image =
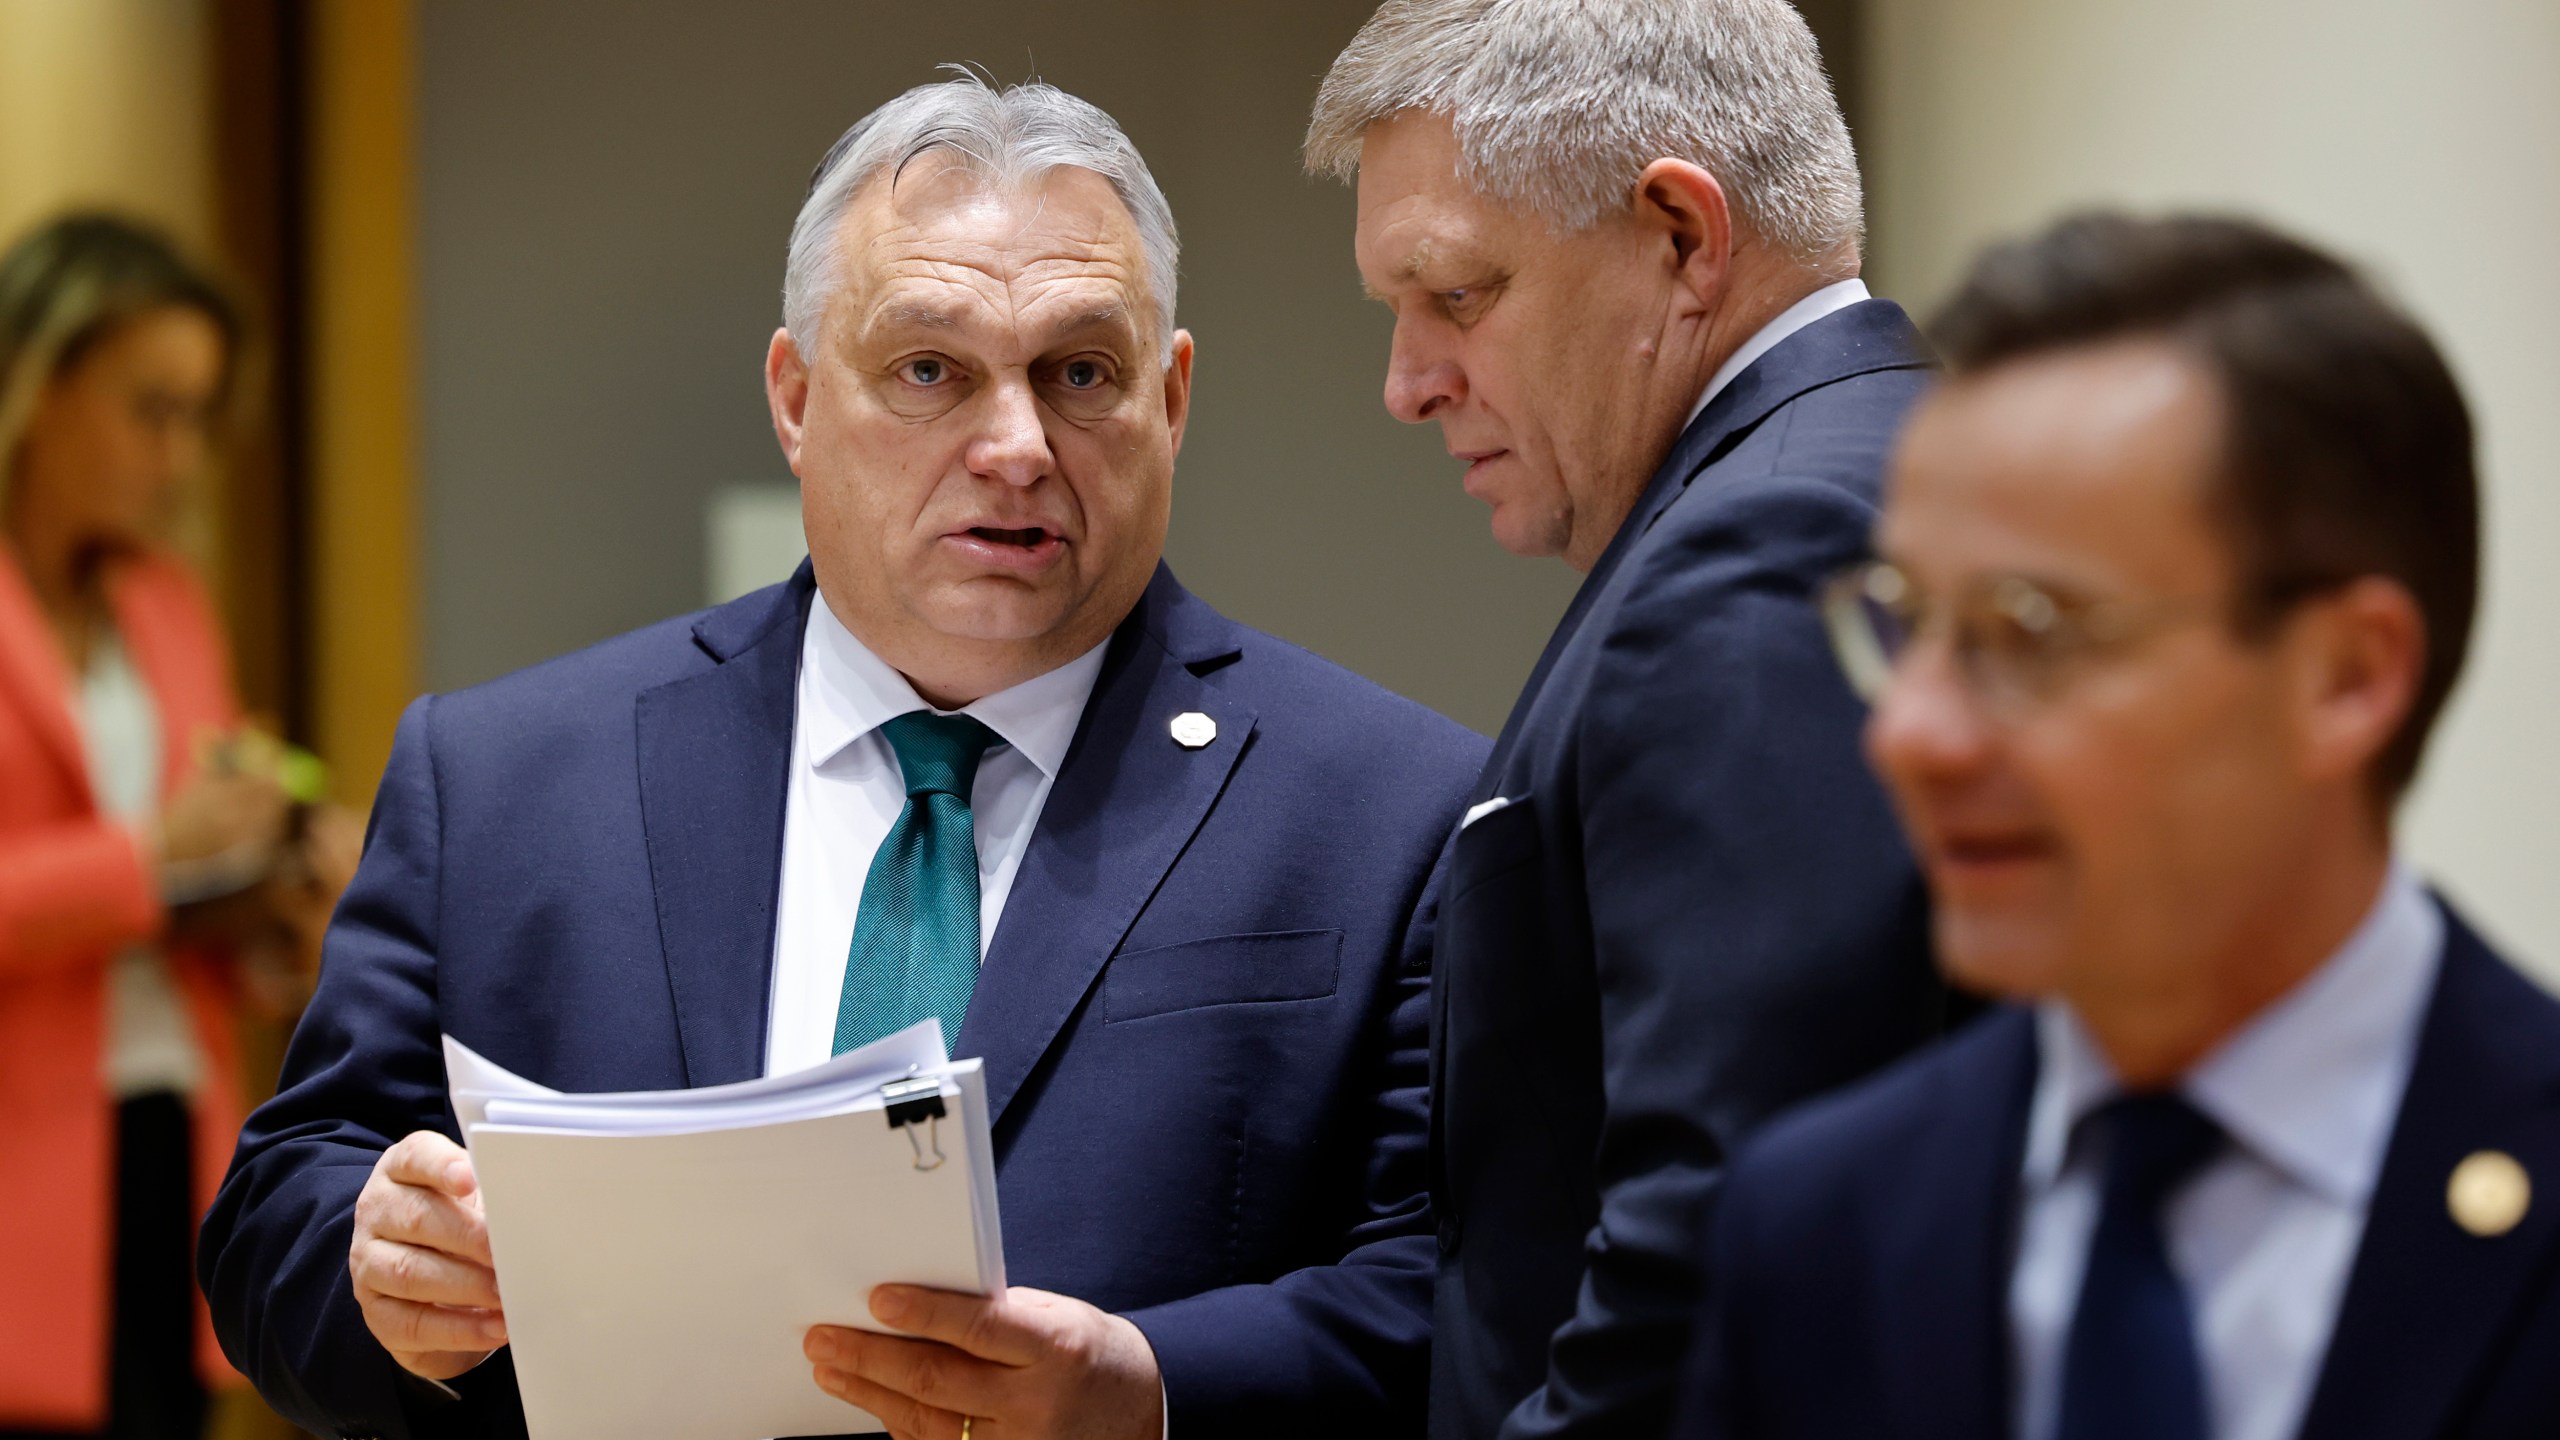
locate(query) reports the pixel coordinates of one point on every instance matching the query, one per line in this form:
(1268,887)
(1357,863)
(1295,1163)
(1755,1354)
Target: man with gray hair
(982,759)
(1621,242)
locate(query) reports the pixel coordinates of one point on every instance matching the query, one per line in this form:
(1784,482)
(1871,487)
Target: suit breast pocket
(1495,844)
(1221,970)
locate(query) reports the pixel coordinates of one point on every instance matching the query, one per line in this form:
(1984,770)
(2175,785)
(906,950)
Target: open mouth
(1025,550)
(1029,539)
(1966,863)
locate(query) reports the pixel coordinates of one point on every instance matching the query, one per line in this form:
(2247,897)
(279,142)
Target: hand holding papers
(664,1254)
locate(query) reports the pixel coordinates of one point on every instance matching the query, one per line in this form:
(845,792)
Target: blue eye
(924,372)
(1082,374)
(1464,303)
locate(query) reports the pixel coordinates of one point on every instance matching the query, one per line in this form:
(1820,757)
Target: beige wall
(2421,137)
(102,102)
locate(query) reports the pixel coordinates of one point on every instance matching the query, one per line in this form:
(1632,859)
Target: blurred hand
(420,1260)
(314,871)
(1027,1364)
(332,844)
(277,948)
(219,816)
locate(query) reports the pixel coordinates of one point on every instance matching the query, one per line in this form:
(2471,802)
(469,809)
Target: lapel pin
(2488,1194)
(1192,730)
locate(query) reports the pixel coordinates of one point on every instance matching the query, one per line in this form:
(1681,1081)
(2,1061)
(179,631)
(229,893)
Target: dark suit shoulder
(2517,1021)
(1798,496)
(1837,433)
(1325,707)
(1295,680)
(607,672)
(1885,1130)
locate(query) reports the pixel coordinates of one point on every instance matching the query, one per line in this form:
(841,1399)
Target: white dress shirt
(2263,1235)
(151,1038)
(846,791)
(1839,295)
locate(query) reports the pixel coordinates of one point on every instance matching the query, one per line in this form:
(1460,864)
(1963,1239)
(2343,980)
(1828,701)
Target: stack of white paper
(662,1253)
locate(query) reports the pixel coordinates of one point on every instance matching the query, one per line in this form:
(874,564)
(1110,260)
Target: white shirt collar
(2312,1085)
(1839,295)
(852,692)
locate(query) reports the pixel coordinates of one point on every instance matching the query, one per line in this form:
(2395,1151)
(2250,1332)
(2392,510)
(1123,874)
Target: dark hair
(68,284)
(2349,448)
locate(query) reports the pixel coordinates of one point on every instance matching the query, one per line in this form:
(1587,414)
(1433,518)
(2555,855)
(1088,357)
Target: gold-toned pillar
(363,378)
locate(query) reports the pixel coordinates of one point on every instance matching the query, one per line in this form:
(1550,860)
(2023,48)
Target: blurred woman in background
(145,839)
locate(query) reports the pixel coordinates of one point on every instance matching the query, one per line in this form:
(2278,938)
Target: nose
(1422,377)
(1012,443)
(1927,726)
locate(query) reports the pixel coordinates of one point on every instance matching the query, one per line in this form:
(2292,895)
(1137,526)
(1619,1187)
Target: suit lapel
(2426,1300)
(1125,804)
(1942,1325)
(715,755)
(1869,336)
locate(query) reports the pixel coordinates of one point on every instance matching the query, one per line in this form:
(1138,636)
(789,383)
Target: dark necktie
(915,938)
(2131,1370)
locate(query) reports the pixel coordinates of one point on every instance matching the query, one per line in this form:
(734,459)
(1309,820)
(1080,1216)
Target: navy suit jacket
(1695,909)
(1863,1247)
(1203,1014)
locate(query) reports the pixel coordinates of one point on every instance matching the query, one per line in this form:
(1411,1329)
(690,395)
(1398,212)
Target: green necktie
(915,940)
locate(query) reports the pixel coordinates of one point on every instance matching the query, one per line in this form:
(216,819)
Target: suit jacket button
(1449,1230)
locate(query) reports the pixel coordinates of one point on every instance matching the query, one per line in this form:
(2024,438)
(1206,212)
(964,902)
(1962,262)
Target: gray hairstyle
(1009,138)
(1558,105)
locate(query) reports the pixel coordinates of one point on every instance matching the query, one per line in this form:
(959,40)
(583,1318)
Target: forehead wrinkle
(1041,311)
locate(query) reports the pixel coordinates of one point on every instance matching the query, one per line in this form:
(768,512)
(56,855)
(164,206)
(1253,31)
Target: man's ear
(786,393)
(1685,208)
(2364,656)
(1177,387)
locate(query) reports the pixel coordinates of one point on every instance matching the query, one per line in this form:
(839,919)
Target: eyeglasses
(2017,642)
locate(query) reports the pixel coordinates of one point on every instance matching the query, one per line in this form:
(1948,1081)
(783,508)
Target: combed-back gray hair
(1558,105)
(1009,138)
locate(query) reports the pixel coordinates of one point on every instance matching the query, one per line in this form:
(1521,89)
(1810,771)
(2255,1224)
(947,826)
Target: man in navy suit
(1621,242)
(2177,573)
(982,759)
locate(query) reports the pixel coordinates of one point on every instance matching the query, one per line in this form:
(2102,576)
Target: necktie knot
(2154,1142)
(938,754)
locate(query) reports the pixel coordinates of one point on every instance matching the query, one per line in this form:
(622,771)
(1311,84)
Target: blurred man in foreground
(1621,243)
(2177,573)
(984,727)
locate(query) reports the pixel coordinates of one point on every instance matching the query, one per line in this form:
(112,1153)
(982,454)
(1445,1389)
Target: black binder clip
(916,1103)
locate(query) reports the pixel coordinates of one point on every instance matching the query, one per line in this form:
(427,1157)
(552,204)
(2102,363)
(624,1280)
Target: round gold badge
(2489,1193)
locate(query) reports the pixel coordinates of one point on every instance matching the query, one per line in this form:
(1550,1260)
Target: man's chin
(995,624)
(1532,535)
(1001,609)
(1998,952)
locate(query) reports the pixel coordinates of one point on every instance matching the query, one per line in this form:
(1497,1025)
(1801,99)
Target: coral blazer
(75,888)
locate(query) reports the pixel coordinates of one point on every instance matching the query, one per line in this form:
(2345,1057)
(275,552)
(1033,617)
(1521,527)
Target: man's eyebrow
(910,313)
(1086,321)
(1113,316)
(1413,264)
